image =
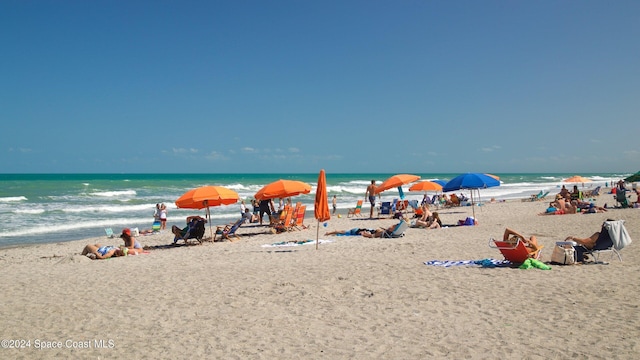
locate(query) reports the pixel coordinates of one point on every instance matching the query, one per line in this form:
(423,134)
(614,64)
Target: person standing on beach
(243,208)
(371,194)
(265,208)
(156,213)
(334,202)
(163,216)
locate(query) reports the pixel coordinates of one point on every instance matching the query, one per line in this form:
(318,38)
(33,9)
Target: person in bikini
(97,251)
(432,222)
(354,231)
(531,243)
(130,242)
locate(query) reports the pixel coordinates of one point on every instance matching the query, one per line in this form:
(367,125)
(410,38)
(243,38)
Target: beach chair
(414,205)
(398,231)
(516,252)
(156,226)
(228,232)
(298,222)
(356,211)
(541,198)
(287,224)
(402,205)
(279,218)
(613,238)
(109,232)
(621,198)
(385,208)
(194,230)
(534,197)
(591,193)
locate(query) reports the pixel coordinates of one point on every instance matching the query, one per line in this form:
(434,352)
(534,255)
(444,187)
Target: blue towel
(488,263)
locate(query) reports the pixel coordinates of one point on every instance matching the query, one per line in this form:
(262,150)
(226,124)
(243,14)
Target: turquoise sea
(46,208)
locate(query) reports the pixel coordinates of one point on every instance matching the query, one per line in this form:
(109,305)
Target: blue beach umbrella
(440,182)
(471,181)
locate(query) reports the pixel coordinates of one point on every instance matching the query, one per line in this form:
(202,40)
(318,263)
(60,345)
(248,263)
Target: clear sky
(295,86)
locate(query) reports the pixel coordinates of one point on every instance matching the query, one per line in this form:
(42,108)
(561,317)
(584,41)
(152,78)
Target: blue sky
(295,86)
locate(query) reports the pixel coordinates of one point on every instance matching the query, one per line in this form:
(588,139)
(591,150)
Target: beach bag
(563,255)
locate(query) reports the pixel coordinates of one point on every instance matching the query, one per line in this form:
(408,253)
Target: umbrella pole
(209,220)
(317,234)
(473,206)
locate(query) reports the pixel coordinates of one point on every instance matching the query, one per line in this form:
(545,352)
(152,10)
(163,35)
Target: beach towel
(296,243)
(488,263)
(618,234)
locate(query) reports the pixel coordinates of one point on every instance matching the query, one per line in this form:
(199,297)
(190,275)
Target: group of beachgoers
(573,202)
(131,247)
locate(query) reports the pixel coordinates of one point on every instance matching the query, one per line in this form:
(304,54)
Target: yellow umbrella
(321,204)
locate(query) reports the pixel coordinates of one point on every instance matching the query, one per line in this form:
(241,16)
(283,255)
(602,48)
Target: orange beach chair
(516,253)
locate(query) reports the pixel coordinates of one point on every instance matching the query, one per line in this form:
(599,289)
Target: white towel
(618,233)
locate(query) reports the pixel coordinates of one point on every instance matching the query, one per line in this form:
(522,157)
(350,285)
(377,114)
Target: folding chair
(516,252)
(228,231)
(613,238)
(356,211)
(398,231)
(298,222)
(621,198)
(385,208)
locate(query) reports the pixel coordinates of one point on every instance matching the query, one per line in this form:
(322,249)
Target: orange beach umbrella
(206,196)
(282,189)
(321,204)
(426,186)
(577,179)
(396,181)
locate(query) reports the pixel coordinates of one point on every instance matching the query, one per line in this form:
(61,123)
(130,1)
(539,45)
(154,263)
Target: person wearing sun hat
(132,245)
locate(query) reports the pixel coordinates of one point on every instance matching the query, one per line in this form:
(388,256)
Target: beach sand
(353,298)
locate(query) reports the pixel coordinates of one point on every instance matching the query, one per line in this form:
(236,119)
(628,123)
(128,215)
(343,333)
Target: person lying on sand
(379,232)
(98,251)
(354,231)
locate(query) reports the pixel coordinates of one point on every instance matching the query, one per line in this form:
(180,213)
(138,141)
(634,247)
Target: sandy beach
(354,297)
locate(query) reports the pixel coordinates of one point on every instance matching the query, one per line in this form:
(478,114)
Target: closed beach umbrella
(493,176)
(282,189)
(321,204)
(206,196)
(471,181)
(396,181)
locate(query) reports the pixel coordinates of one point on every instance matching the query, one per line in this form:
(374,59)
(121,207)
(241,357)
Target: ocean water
(48,208)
